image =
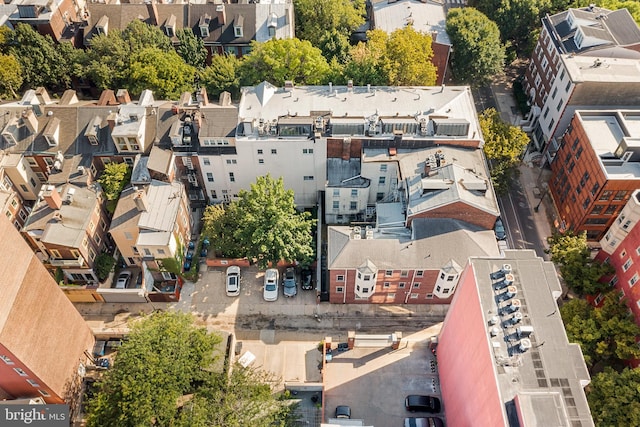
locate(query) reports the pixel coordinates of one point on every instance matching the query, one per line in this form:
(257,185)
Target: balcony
(79,262)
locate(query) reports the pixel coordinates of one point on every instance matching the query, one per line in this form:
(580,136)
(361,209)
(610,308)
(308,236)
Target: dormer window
(571,20)
(204,25)
(237,26)
(102,27)
(272,25)
(579,38)
(170,26)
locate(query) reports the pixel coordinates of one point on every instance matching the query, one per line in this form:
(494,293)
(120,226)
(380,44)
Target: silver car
(270,292)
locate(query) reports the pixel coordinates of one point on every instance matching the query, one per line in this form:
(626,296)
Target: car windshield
(289,284)
(232,281)
(270,287)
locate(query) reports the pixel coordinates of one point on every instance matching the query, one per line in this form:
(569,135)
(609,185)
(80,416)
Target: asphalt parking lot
(375,381)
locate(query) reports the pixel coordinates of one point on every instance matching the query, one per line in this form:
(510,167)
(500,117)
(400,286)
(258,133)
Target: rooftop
(612,133)
(424,16)
(546,379)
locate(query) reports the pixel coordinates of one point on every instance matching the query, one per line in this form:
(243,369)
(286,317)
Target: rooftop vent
(525,345)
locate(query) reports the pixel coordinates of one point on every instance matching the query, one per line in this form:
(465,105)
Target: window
(308,178)
(20,372)
(450,278)
(633,280)
(429,296)
(160,251)
(307,151)
(85,242)
(414,296)
(232,161)
(340,278)
(260,151)
(555,92)
(438,288)
(383,168)
(446,290)
(336,193)
(354,193)
(232,177)
(638,250)
(623,253)
(419,273)
(214,195)
(44,393)
(388,273)
(379,196)
(566,89)
(401,285)
(613,281)
(206,161)
(606,195)
(595,189)
(34,383)
(404,273)
(578,153)
(627,265)
(353,206)
(546,112)
(261,161)
(336,204)
(560,104)
(382,180)
(209,176)
(553,122)
(339,289)
(237,30)
(55,253)
(416,285)
(6,359)
(620,195)
(147,252)
(274,151)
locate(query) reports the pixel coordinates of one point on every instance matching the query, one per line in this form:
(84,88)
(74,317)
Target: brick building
(44,342)
(595,170)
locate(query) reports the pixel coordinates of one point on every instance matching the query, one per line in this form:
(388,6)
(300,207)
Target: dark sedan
(419,403)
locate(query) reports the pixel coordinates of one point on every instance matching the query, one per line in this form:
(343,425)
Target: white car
(233,281)
(270,292)
(123,280)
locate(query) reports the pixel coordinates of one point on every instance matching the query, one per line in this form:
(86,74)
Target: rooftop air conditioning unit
(525,345)
(524,331)
(506,268)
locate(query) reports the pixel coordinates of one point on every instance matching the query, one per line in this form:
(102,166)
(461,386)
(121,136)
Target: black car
(423,422)
(419,403)
(343,411)
(307,279)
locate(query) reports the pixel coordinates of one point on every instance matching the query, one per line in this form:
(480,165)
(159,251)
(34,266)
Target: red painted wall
(465,362)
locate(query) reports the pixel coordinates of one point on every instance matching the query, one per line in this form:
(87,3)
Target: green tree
(368,63)
(163,375)
(191,48)
(334,45)
(266,225)
(410,53)
(220,226)
(138,36)
(113,180)
(502,141)
(222,75)
(10,76)
(163,359)
(573,256)
(614,397)
(103,266)
(315,18)
(607,335)
(165,73)
(40,61)
(5,36)
(478,54)
(107,60)
(280,60)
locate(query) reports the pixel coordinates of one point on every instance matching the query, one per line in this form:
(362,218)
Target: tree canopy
(614,397)
(165,73)
(191,48)
(222,75)
(579,271)
(113,180)
(10,76)
(277,61)
(503,144)
(164,375)
(315,18)
(478,53)
(606,334)
(262,224)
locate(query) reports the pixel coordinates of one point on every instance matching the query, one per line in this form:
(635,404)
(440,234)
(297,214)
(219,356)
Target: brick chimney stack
(52,197)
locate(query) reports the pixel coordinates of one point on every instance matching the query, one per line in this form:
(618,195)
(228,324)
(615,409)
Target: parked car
(123,280)
(192,245)
(187,265)
(203,252)
(420,403)
(189,256)
(233,281)
(423,422)
(343,411)
(289,282)
(498,228)
(270,292)
(307,279)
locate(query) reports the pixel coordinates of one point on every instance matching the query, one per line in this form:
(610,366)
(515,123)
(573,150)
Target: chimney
(427,169)
(153,13)
(30,121)
(221,14)
(111,120)
(346,148)
(202,97)
(51,196)
(122,96)
(43,96)
(107,97)
(140,200)
(288,85)
(225,99)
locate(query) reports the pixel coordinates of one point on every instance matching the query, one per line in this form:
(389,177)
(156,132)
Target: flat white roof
(428,17)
